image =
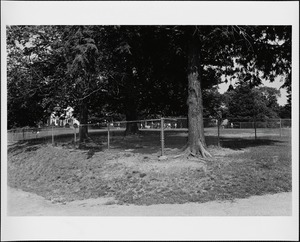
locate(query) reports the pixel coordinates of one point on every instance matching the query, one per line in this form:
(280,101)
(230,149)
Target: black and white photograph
(118,117)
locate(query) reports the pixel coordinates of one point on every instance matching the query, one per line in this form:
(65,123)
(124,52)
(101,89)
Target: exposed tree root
(183,149)
(198,153)
(203,151)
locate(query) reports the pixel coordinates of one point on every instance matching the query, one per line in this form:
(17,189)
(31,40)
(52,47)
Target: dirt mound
(130,176)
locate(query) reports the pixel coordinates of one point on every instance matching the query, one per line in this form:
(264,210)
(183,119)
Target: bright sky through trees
(282,100)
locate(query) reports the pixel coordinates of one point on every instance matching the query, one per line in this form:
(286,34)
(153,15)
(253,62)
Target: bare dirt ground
(22,203)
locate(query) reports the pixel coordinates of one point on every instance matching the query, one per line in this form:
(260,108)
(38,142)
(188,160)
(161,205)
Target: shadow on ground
(231,143)
(141,143)
(238,143)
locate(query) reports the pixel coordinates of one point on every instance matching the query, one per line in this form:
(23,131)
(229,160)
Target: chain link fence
(153,133)
(47,134)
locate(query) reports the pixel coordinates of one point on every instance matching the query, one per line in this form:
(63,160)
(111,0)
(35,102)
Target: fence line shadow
(242,143)
(144,142)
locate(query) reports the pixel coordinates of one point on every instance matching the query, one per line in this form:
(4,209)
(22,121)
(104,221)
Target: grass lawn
(132,173)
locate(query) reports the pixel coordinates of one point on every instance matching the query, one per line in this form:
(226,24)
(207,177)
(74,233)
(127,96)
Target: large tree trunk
(196,140)
(131,104)
(83,118)
(131,114)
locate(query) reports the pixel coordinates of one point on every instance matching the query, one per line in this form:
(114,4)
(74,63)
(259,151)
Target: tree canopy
(139,71)
(245,103)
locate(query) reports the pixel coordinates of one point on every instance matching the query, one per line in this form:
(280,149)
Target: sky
(282,100)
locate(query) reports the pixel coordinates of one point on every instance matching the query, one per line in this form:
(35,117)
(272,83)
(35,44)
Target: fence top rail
(121,122)
(143,121)
(174,119)
(137,121)
(251,119)
(46,128)
(24,129)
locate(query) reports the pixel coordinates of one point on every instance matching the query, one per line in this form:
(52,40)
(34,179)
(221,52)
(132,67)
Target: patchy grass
(131,172)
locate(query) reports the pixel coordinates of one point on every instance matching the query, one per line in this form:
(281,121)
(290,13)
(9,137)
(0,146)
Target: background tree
(252,104)
(212,102)
(250,52)
(30,90)
(81,55)
(176,62)
(285,111)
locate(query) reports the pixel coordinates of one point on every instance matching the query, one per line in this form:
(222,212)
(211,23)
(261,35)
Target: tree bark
(196,140)
(83,118)
(131,114)
(131,104)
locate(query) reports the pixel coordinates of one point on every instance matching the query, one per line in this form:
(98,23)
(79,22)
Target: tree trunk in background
(83,119)
(131,114)
(196,139)
(131,104)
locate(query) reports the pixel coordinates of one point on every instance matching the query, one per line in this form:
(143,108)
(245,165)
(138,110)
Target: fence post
(52,134)
(75,135)
(162,138)
(219,132)
(255,129)
(280,125)
(108,135)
